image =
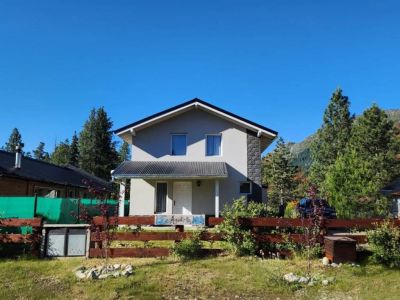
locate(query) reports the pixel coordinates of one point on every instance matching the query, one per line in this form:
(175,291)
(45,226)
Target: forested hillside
(301,153)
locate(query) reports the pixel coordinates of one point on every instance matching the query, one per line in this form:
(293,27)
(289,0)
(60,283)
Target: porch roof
(171,169)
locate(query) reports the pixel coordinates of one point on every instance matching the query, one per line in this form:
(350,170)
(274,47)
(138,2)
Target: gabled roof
(197,103)
(38,170)
(170,169)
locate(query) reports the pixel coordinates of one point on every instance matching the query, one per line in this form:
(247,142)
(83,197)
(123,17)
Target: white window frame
(172,135)
(251,187)
(205,147)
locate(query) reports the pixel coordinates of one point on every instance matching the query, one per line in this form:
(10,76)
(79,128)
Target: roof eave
(198,104)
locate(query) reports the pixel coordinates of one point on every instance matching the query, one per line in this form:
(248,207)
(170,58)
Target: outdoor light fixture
(198,182)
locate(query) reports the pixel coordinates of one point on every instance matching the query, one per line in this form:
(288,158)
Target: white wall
(154,143)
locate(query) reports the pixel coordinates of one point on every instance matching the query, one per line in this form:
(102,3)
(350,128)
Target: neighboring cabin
(192,159)
(23,176)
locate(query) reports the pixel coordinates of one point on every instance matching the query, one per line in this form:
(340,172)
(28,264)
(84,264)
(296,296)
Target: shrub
(188,248)
(238,236)
(385,244)
(291,210)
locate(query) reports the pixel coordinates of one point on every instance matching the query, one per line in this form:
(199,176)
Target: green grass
(218,278)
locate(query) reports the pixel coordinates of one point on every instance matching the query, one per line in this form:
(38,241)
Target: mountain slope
(301,151)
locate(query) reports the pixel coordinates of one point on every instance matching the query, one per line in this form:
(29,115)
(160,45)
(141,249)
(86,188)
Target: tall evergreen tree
(124,152)
(74,151)
(61,154)
(279,175)
(40,153)
(97,153)
(354,182)
(332,137)
(14,140)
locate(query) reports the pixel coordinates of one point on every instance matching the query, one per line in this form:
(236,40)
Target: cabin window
(178,144)
(161,197)
(213,145)
(245,187)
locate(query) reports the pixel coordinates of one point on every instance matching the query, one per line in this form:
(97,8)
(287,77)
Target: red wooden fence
(97,236)
(18,238)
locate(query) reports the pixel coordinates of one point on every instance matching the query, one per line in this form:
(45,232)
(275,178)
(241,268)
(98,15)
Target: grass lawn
(218,278)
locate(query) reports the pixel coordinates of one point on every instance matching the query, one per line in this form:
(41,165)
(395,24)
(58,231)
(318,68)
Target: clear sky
(274,62)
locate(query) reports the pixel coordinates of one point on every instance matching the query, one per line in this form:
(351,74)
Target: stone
(311,283)
(325,261)
(80,274)
(290,277)
(104,276)
(117,266)
(325,282)
(116,274)
(334,265)
(303,280)
(91,274)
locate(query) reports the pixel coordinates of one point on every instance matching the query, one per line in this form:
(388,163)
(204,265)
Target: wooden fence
(97,235)
(18,238)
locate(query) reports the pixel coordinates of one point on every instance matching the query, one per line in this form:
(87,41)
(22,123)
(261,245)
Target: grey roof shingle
(33,169)
(171,169)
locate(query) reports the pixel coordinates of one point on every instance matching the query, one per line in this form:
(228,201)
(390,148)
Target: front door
(182,198)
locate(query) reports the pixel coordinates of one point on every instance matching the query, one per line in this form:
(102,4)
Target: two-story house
(192,159)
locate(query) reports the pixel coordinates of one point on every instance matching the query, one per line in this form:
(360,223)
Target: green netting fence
(53,210)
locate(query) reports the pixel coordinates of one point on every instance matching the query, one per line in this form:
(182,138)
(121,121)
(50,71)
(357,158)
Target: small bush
(238,236)
(291,210)
(189,248)
(385,244)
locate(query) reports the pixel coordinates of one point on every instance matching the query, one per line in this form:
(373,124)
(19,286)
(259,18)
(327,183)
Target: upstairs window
(213,145)
(178,144)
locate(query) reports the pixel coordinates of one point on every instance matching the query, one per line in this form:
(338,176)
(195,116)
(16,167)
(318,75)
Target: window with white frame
(213,145)
(245,187)
(178,144)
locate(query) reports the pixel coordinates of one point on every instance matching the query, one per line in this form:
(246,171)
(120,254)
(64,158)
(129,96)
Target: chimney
(18,156)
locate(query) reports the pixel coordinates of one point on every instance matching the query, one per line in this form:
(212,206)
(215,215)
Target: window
(245,187)
(178,144)
(213,145)
(161,197)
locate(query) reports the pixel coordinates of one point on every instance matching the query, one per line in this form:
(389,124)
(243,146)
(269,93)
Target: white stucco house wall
(192,159)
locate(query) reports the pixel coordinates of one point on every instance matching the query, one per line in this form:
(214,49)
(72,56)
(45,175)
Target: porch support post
(121,198)
(216,198)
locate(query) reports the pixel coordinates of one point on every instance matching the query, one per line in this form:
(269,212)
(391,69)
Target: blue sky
(274,62)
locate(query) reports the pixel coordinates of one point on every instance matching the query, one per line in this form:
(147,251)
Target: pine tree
(74,151)
(279,175)
(61,154)
(97,153)
(368,163)
(14,140)
(332,137)
(124,152)
(40,153)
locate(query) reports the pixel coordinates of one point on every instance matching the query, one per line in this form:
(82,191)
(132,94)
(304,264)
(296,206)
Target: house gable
(265,134)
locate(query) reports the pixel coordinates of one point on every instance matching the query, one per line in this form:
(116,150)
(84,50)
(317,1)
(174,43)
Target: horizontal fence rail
(98,236)
(33,238)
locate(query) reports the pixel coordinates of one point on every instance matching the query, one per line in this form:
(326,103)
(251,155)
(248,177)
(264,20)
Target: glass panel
(76,244)
(213,145)
(178,144)
(245,188)
(161,197)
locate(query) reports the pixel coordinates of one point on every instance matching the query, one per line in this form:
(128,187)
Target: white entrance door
(182,198)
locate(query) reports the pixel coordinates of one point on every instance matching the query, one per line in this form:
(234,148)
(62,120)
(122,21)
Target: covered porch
(172,187)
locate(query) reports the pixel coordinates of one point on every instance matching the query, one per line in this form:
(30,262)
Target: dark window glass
(213,145)
(178,146)
(245,187)
(161,197)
